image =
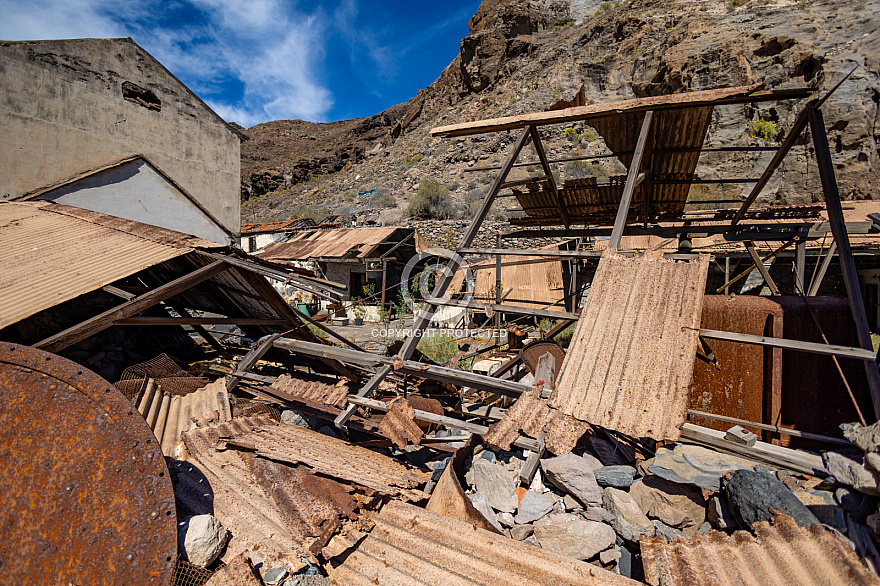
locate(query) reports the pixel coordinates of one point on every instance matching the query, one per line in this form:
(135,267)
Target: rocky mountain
(524,56)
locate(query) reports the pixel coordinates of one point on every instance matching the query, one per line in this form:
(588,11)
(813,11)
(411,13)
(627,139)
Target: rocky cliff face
(524,56)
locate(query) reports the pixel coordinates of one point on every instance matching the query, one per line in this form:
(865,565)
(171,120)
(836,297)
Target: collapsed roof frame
(637,174)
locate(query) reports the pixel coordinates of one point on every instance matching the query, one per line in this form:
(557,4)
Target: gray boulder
(494,481)
(851,471)
(616,476)
(533,506)
(481,503)
(629,521)
(573,537)
(752,494)
(678,505)
(695,465)
(573,474)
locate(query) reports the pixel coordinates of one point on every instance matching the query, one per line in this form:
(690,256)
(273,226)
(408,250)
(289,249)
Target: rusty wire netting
(187,574)
(248,408)
(168,375)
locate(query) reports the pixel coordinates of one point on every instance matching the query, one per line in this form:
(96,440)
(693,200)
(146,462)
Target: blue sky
(259,60)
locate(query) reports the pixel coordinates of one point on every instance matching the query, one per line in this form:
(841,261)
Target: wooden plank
(812,347)
(307,283)
(796,460)
(102,321)
(800,264)
(250,359)
(791,138)
(632,182)
(149,320)
(714,97)
(844,251)
(759,264)
(475,428)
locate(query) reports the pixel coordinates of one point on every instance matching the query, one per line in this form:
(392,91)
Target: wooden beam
(797,129)
(826,261)
(847,264)
(632,182)
(419,415)
(102,321)
(773,428)
(812,347)
(551,182)
(511,309)
(250,359)
(800,265)
(743,274)
(408,367)
(316,286)
(759,263)
(149,320)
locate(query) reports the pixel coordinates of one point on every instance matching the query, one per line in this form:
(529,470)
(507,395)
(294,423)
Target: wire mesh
(168,375)
(248,408)
(187,574)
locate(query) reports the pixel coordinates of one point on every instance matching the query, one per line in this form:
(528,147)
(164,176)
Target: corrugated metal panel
(630,362)
(409,545)
(49,258)
(333,457)
(266,227)
(778,554)
(338,243)
(235,495)
(398,424)
(312,388)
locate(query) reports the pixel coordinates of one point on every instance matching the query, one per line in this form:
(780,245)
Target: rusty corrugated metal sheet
(630,361)
(314,388)
(280,510)
(409,545)
(528,414)
(49,257)
(330,456)
(778,554)
(335,243)
(398,424)
(87,495)
(262,228)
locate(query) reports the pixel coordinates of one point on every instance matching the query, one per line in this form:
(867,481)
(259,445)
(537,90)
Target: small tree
(431,202)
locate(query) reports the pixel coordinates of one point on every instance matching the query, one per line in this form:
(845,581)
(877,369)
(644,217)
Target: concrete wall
(62,112)
(136,191)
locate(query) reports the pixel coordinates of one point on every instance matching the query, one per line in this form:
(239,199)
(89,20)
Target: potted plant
(360,311)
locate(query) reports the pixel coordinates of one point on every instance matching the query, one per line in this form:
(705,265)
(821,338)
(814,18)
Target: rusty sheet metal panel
(333,243)
(749,381)
(528,414)
(631,358)
(398,424)
(87,495)
(40,247)
(810,379)
(331,456)
(409,545)
(313,388)
(778,554)
(265,504)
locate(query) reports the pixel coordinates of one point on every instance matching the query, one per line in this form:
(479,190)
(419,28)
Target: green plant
(317,331)
(410,160)
(582,169)
(571,134)
(764,129)
(606,7)
(734,4)
(383,198)
(588,136)
(431,202)
(439,348)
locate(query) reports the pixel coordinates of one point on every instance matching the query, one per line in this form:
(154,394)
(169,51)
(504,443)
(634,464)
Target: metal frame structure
(639,172)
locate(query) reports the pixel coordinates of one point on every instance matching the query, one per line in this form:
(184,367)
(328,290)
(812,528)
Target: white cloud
(271,49)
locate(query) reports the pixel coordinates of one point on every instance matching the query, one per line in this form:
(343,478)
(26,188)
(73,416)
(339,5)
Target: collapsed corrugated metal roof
(332,243)
(778,554)
(409,545)
(631,358)
(312,388)
(51,254)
